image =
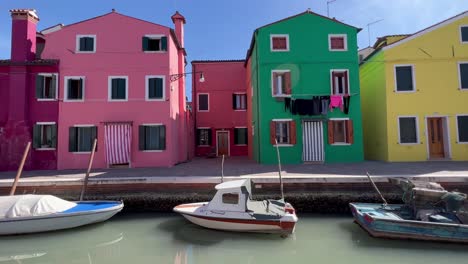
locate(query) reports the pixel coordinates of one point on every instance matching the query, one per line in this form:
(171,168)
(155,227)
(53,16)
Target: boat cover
(32,205)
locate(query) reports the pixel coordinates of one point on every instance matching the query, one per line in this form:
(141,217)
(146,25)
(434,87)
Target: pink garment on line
(336,101)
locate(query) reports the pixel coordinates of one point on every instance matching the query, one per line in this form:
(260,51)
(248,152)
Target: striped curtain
(118,139)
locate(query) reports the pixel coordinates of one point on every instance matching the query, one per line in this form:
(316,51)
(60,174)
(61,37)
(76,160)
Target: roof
(427,30)
(384,41)
(33,62)
(233,184)
(252,43)
(215,61)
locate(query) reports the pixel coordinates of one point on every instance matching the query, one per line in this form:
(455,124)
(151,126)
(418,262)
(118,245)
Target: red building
(220,105)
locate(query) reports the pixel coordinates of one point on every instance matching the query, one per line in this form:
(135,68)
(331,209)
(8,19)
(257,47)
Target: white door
(312,141)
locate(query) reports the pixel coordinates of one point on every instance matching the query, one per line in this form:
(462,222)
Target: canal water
(168,238)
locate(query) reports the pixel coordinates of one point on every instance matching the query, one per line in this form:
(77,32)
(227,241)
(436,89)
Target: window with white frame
(337,42)
(464,34)
(279,42)
(283,131)
(46,86)
(152,43)
(281,83)
(340,82)
(463,75)
(45,135)
(203,102)
(404,78)
(240,136)
(74,88)
(155,87)
(340,131)
(239,101)
(462,126)
(118,88)
(86,43)
(81,138)
(408,130)
(152,137)
(204,137)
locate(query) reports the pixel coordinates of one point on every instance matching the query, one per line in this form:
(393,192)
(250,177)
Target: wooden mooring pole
(20,169)
(90,164)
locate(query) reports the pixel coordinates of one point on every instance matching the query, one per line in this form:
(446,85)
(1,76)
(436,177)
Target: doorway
(222,143)
(312,140)
(437,138)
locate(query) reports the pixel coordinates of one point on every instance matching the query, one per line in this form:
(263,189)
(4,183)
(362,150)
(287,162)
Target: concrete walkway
(241,166)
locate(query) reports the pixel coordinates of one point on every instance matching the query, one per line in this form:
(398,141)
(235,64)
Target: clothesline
(293,95)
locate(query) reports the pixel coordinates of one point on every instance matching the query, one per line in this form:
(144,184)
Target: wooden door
(436,137)
(222,143)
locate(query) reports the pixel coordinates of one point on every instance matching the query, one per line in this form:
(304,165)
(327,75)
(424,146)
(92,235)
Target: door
(436,137)
(222,143)
(312,141)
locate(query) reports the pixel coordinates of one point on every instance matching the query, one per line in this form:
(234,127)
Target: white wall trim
(152,124)
(331,80)
(147,77)
(459,75)
(56,85)
(198,102)
(279,35)
(272,83)
(418,140)
(85,125)
(446,135)
(45,123)
(338,118)
(458,135)
(65,85)
(109,89)
(413,76)
(460,31)
(77,46)
(282,119)
(345,40)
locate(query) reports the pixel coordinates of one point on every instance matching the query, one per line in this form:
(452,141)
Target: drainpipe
(258,101)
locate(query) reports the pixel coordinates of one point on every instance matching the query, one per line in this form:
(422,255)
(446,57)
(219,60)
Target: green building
(293,66)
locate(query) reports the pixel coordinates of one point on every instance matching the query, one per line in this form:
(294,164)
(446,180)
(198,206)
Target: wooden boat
(429,213)
(232,209)
(22,214)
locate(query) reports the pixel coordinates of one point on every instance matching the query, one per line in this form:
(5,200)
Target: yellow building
(414,91)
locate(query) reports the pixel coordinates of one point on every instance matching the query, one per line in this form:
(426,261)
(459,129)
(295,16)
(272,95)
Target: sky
(222,29)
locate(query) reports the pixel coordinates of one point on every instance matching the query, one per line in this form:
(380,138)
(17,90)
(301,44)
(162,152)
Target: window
(240,136)
(281,83)
(45,136)
(408,130)
(81,138)
(230,198)
(152,137)
(152,43)
(463,74)
(118,88)
(86,43)
(337,42)
(464,34)
(239,101)
(340,131)
(203,103)
(46,86)
(340,82)
(279,42)
(204,137)
(404,79)
(74,88)
(155,88)
(283,131)
(462,126)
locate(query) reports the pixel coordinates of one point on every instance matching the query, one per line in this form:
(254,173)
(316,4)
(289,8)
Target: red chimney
(23,34)
(179,21)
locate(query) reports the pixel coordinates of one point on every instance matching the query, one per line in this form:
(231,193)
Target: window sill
(155,150)
(155,100)
(283,145)
(117,100)
(204,146)
(73,100)
(154,51)
(44,149)
(240,110)
(463,143)
(340,50)
(240,145)
(282,96)
(203,111)
(463,89)
(82,152)
(46,99)
(340,144)
(279,50)
(409,144)
(413,91)
(85,52)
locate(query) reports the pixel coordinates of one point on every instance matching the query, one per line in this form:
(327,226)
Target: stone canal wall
(308,195)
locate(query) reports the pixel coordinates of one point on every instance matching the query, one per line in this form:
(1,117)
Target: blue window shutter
(164,43)
(54,136)
(37,136)
(145,43)
(141,137)
(72,139)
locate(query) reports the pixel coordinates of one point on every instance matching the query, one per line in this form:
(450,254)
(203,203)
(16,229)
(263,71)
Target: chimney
(23,34)
(179,21)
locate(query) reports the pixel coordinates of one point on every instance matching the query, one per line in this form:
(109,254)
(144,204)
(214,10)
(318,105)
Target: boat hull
(378,226)
(57,221)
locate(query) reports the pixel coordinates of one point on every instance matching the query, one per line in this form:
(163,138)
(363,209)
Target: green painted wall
(310,63)
(374,107)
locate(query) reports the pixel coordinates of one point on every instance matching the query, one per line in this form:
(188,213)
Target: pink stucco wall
(118,53)
(222,80)
(23,38)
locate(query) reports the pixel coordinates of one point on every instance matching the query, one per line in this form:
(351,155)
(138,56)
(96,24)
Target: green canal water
(168,238)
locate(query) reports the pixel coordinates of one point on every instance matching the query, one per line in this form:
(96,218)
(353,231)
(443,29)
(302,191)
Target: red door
(222,143)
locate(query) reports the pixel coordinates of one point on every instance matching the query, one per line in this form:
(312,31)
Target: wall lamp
(175,77)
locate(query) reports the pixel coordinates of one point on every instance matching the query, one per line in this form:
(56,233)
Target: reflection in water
(158,238)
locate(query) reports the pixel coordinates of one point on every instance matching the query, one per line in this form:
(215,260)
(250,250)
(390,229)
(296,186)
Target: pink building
(28,92)
(119,80)
(220,106)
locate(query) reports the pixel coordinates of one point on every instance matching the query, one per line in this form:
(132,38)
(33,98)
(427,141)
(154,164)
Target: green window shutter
(37,136)
(72,139)
(93,136)
(209,137)
(464,75)
(39,85)
(82,44)
(114,88)
(54,136)
(122,89)
(90,44)
(164,43)
(159,88)
(234,101)
(145,43)
(141,137)
(54,86)
(162,137)
(236,136)
(69,89)
(152,88)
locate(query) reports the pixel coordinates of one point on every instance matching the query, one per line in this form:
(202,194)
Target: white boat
(232,209)
(22,214)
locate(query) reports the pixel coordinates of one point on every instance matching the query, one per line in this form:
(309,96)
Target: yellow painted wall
(435,56)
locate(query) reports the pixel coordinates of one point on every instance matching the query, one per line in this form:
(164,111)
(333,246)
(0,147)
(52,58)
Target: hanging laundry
(293,107)
(287,104)
(324,102)
(346,100)
(336,101)
(315,106)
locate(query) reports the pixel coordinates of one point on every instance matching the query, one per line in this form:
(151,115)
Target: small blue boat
(429,213)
